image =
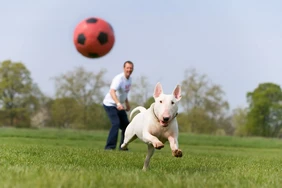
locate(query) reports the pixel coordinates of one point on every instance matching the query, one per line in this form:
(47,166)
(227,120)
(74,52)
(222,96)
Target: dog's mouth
(164,123)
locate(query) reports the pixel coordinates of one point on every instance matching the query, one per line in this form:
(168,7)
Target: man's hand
(120,106)
(127,107)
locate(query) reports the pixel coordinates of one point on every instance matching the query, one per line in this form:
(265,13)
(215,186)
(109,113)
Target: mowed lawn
(47,158)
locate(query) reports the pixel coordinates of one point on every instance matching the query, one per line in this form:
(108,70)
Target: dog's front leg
(176,152)
(150,153)
(150,139)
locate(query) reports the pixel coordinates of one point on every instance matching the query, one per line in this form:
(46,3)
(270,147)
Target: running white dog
(157,124)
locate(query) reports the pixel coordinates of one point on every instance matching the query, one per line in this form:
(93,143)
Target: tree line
(77,103)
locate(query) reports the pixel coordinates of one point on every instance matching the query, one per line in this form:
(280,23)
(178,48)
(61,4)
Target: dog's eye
(161,101)
(172,102)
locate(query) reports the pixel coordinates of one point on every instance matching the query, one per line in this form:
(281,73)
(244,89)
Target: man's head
(128,68)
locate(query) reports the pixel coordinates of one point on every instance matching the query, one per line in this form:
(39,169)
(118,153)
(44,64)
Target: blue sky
(237,43)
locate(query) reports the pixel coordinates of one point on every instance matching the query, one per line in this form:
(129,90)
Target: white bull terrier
(157,124)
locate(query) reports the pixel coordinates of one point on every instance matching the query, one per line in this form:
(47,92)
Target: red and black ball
(94,37)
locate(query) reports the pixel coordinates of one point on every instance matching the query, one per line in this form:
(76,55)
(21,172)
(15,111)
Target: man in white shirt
(114,102)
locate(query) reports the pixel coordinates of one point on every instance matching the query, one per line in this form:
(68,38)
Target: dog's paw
(123,146)
(177,153)
(158,145)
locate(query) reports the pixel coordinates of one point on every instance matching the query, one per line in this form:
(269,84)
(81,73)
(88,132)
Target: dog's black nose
(166,119)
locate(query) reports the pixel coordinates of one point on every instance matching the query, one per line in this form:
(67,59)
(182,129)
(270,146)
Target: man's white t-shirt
(122,86)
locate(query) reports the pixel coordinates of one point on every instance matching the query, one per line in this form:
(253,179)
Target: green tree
(239,121)
(16,92)
(65,112)
(98,119)
(199,121)
(149,101)
(140,91)
(203,103)
(264,117)
(86,87)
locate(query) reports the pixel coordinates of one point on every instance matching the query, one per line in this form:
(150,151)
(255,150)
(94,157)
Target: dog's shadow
(163,161)
(178,168)
(171,165)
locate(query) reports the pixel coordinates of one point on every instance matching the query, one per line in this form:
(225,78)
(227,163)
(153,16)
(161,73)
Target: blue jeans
(119,120)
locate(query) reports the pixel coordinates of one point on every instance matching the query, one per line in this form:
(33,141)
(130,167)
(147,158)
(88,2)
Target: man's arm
(127,105)
(114,96)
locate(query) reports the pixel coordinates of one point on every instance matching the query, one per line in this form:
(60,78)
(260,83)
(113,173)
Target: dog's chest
(160,132)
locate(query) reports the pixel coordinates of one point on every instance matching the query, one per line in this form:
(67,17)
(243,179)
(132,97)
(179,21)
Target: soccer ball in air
(93,37)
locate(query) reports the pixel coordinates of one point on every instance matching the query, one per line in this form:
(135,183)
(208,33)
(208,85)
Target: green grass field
(73,159)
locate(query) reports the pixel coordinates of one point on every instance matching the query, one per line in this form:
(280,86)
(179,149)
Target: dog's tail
(140,108)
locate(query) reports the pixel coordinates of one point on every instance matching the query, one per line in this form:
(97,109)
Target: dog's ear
(177,92)
(158,90)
